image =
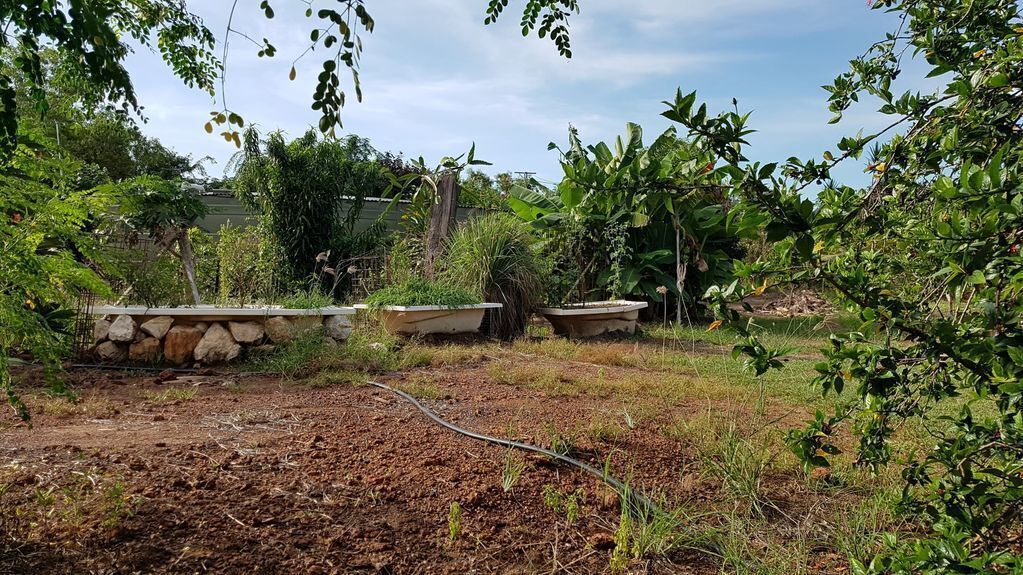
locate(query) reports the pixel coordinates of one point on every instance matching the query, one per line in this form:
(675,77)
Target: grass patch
(364,351)
(419,355)
(422,388)
(552,381)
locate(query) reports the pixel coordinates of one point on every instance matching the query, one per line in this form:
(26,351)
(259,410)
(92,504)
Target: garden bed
(204,334)
(594,318)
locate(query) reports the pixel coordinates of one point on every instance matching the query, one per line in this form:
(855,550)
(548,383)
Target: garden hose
(637,500)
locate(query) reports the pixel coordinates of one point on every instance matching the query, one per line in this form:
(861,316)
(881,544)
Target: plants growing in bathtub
(421,292)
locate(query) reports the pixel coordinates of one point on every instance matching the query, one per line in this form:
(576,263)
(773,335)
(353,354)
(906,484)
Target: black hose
(637,500)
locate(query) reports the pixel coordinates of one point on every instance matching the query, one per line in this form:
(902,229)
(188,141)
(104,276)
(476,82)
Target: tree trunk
(188,262)
(442,217)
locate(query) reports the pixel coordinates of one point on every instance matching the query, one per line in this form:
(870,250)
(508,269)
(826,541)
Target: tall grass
(495,256)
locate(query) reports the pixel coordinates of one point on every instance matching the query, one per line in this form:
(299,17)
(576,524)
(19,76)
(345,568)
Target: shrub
(419,291)
(246,265)
(495,256)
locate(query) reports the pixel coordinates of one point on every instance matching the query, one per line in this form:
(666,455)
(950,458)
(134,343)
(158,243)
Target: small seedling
(513,468)
(562,444)
(454,521)
(629,421)
(558,502)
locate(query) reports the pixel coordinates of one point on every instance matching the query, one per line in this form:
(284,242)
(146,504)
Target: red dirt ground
(256,475)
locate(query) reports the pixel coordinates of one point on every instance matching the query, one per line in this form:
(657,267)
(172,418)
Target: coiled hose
(636,500)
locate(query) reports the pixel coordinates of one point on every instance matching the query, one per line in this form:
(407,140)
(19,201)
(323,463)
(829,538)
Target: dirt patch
(255,475)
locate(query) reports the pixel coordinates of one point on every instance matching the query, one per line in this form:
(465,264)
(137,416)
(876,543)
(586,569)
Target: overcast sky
(435,79)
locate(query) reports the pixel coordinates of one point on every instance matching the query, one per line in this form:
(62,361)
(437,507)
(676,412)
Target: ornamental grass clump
(420,291)
(495,257)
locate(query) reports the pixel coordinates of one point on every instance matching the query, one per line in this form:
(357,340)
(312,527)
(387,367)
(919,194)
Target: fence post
(442,216)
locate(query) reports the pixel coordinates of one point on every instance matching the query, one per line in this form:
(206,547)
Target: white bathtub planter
(594,318)
(205,334)
(427,319)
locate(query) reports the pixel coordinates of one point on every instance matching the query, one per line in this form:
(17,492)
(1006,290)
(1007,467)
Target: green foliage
(154,279)
(419,291)
(309,193)
(454,521)
(496,258)
(479,191)
(207,260)
(154,206)
(43,249)
(619,219)
(307,300)
(246,266)
(928,255)
(95,38)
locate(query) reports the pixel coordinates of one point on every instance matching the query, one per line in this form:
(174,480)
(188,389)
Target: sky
(436,80)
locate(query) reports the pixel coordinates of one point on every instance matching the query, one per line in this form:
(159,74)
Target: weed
(368,351)
(117,505)
(602,429)
(629,421)
(568,504)
(740,465)
(560,443)
(514,465)
(422,388)
(170,395)
(454,521)
(858,532)
(621,554)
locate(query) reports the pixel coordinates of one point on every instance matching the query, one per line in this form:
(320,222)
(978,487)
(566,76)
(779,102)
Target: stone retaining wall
(178,341)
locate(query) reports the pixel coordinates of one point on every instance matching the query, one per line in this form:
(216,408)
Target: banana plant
(668,197)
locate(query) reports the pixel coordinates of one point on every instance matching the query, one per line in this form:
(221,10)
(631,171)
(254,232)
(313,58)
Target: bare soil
(255,474)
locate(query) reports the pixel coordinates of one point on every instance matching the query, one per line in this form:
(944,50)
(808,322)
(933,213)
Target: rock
(337,327)
(201,326)
(123,329)
(216,346)
(246,331)
(111,352)
(279,329)
(180,342)
(166,375)
(378,346)
(145,351)
(100,330)
(158,326)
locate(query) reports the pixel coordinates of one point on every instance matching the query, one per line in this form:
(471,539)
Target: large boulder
(246,331)
(158,326)
(216,346)
(109,351)
(337,327)
(145,351)
(123,329)
(180,342)
(100,330)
